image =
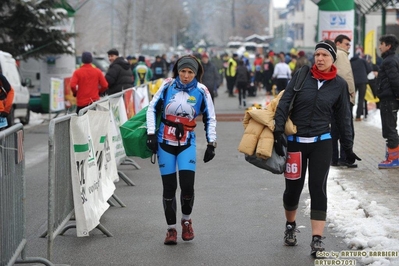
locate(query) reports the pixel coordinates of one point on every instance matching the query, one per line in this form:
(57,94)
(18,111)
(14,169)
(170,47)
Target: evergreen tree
(31,28)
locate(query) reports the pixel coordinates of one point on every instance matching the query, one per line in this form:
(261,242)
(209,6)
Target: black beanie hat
(328,46)
(87,58)
(113,51)
(141,58)
(188,62)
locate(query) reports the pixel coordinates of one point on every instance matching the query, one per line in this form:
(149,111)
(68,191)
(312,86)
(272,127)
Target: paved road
(238,216)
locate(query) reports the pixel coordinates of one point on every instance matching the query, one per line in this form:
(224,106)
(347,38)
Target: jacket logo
(191,100)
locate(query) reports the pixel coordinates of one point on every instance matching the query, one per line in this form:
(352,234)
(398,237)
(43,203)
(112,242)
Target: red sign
(331,34)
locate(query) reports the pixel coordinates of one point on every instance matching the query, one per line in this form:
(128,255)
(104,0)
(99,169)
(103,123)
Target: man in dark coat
(119,75)
(158,68)
(211,77)
(360,70)
(388,92)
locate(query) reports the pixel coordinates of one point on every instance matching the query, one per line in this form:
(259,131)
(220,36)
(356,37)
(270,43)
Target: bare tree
(251,20)
(125,13)
(128,24)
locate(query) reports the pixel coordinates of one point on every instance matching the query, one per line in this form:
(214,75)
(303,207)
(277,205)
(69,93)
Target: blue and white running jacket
(181,104)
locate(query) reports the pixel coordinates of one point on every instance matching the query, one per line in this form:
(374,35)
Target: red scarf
(317,74)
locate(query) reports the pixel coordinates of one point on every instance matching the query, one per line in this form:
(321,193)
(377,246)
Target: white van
(20,107)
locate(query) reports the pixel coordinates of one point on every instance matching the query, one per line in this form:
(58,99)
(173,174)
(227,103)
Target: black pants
(315,156)
(230,84)
(361,89)
(338,153)
(281,85)
(389,118)
(267,84)
(242,91)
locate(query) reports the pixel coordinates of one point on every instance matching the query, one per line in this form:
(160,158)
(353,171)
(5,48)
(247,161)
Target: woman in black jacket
(324,94)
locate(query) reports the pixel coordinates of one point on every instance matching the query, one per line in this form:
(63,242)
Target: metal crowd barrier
(60,194)
(12,199)
(60,203)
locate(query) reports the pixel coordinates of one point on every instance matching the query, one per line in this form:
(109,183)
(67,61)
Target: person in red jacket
(87,83)
(6,100)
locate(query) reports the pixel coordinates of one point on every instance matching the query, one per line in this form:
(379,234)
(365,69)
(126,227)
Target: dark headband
(188,62)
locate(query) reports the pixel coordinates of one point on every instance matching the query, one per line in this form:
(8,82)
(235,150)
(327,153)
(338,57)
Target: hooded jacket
(388,76)
(119,76)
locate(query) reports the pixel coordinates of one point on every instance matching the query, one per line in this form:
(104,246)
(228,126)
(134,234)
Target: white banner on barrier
(88,187)
(141,98)
(101,142)
(113,170)
(118,113)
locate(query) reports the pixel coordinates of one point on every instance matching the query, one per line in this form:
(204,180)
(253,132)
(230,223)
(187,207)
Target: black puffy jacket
(119,76)
(388,76)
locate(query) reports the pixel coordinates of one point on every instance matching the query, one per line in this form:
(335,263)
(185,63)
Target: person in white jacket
(281,74)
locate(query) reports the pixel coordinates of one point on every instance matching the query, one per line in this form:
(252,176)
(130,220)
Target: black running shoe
(290,235)
(316,246)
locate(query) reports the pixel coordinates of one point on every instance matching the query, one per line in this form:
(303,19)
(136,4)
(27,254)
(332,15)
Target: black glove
(351,157)
(279,141)
(152,143)
(3,114)
(209,153)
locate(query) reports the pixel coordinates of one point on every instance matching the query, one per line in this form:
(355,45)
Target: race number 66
(293,165)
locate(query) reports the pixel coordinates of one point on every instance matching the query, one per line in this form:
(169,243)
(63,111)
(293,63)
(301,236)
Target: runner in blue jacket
(180,99)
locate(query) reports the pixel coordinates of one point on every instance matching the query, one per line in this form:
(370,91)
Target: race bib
(169,133)
(293,165)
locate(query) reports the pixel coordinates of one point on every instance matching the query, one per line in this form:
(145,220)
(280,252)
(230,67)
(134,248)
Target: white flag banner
(99,124)
(89,203)
(141,98)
